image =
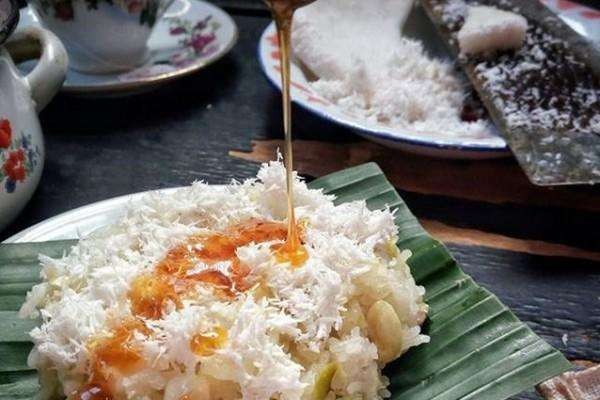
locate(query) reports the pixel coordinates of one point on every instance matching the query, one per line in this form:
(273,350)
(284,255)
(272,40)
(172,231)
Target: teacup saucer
(191,35)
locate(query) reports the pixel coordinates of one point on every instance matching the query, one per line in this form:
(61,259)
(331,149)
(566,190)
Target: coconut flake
(85,292)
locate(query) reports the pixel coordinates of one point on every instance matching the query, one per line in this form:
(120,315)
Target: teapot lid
(9,17)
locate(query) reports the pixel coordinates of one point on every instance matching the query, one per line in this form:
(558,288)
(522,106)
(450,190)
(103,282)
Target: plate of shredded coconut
(382,71)
(179,295)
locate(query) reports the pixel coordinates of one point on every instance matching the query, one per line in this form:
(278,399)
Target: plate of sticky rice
(380,69)
(180,295)
(183,294)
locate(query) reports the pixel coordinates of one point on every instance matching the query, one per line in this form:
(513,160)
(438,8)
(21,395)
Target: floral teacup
(21,97)
(102,36)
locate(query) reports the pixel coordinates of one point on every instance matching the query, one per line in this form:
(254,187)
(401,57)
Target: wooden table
(538,250)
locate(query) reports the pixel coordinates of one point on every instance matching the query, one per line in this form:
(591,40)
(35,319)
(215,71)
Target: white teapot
(21,98)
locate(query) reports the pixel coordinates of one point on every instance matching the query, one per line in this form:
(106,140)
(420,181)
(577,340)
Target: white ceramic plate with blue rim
(191,35)
(437,144)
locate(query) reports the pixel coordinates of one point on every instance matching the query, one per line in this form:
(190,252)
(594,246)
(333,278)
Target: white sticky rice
(324,329)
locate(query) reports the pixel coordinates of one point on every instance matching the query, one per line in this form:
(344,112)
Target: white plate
(79,222)
(491,145)
(172,52)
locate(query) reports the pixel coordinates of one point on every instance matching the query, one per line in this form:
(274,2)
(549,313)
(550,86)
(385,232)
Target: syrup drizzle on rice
(271,336)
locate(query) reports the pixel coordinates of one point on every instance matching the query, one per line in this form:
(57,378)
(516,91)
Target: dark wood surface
(539,252)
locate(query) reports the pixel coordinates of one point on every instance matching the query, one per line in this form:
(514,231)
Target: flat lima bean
(384,330)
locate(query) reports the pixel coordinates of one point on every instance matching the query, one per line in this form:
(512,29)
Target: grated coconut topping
(279,335)
(370,71)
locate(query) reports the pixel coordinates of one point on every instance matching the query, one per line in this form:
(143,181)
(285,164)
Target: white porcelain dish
(177,48)
(78,222)
(584,20)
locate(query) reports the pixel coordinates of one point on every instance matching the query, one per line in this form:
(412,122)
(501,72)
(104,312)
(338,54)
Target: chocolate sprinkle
(545,97)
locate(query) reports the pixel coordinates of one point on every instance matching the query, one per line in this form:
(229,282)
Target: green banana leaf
(19,271)
(478,349)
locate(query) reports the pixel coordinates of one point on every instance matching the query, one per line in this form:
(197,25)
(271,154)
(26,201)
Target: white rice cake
(332,37)
(487,29)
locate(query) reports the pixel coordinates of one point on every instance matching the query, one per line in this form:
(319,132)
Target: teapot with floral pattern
(21,98)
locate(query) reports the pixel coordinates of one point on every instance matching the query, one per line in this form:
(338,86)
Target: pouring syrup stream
(292,250)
